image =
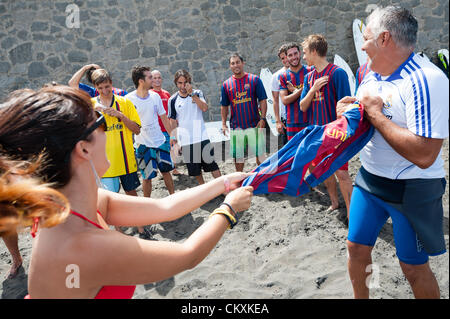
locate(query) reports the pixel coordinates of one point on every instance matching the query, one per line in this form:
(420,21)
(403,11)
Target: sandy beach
(283,247)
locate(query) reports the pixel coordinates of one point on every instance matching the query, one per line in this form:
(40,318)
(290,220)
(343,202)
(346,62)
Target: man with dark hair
(324,87)
(291,87)
(88,70)
(279,109)
(122,122)
(185,112)
(402,176)
(241,93)
(152,149)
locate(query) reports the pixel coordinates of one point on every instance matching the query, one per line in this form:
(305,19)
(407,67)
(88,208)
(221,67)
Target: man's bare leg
(331,185)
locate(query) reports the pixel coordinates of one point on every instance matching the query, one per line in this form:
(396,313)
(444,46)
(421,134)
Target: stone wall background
(37,46)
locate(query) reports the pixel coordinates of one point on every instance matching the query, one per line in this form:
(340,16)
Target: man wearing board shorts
(291,87)
(185,112)
(323,88)
(152,149)
(402,176)
(241,93)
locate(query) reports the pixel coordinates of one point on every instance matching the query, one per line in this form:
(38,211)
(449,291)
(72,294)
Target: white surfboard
(266,77)
(340,62)
(214,130)
(358,30)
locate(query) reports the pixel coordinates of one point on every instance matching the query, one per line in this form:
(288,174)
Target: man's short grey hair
(400,23)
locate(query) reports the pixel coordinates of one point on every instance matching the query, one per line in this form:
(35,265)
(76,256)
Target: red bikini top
(107,292)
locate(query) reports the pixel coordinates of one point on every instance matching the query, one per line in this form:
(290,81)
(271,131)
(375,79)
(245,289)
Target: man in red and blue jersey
(291,87)
(361,72)
(92,91)
(242,92)
(323,88)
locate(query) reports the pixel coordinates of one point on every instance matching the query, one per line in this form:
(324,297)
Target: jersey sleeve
(341,84)
(159,105)
(260,90)
(282,82)
(89,89)
(119,92)
(132,113)
(171,107)
(426,97)
(224,100)
(306,88)
(200,94)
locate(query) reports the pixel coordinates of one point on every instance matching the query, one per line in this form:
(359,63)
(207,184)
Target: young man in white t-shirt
(279,109)
(152,149)
(185,113)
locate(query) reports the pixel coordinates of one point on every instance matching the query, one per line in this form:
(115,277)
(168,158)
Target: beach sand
(283,247)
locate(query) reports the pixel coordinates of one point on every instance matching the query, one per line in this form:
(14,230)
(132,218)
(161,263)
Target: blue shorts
(129,182)
(369,213)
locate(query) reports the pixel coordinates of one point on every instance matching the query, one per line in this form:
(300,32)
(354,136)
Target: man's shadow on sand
(17,287)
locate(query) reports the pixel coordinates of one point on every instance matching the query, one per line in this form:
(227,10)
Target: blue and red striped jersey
(361,72)
(323,105)
(285,171)
(293,113)
(243,95)
(94,93)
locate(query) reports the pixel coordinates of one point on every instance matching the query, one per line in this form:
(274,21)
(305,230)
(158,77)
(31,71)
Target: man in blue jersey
(323,88)
(91,90)
(291,87)
(406,99)
(241,93)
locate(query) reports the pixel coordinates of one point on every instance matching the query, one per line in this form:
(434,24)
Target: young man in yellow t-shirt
(122,122)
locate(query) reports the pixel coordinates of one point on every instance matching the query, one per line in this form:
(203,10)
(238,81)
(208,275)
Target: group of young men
(307,95)
(148,127)
(405,98)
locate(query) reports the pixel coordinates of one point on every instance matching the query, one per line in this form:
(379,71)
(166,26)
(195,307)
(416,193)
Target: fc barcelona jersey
(323,105)
(119,138)
(243,95)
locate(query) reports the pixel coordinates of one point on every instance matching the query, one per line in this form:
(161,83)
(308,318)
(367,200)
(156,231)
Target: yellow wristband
(231,219)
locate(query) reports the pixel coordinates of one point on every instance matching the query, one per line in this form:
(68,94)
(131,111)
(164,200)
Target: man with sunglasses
(122,121)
